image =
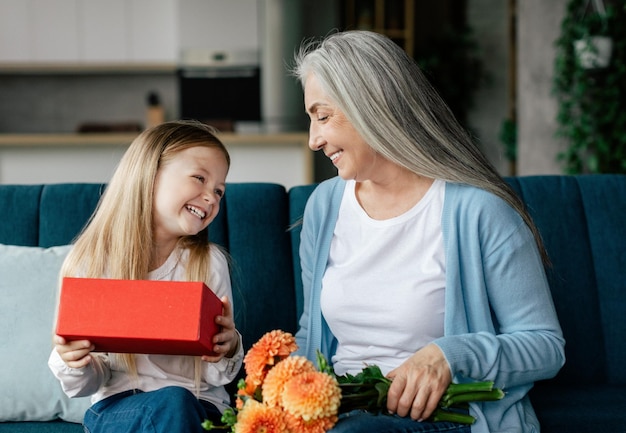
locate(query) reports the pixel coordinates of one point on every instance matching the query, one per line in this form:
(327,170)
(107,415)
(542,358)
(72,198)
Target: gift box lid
(139,316)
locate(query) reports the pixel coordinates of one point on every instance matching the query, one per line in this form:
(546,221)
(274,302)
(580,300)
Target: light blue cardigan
(500,323)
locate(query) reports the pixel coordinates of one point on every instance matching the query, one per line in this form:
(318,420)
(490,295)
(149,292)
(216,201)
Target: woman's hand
(226,342)
(419,383)
(75,354)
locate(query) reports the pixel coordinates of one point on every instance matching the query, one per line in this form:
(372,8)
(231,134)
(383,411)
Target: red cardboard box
(139,316)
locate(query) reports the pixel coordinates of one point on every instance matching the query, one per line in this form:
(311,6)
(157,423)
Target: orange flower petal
(270,349)
(311,395)
(256,417)
(295,424)
(280,374)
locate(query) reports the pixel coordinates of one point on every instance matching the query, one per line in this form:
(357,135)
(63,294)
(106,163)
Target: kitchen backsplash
(60,103)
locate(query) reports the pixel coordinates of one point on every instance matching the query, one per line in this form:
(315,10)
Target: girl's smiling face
(187,192)
(331,132)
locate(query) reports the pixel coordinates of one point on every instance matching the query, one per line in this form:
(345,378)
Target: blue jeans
(359,421)
(168,410)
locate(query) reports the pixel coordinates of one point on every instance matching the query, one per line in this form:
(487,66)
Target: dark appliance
(219,88)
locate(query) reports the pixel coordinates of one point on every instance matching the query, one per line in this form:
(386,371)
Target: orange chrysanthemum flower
(265,353)
(245,393)
(239,403)
(295,424)
(256,417)
(311,395)
(282,372)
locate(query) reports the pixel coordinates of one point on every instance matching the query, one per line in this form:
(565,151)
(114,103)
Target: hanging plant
(591,92)
(593,49)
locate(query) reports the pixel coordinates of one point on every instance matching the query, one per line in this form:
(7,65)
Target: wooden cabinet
(88,31)
(70,33)
(221,24)
(38,30)
(104,31)
(54,30)
(14,34)
(153,31)
(393,18)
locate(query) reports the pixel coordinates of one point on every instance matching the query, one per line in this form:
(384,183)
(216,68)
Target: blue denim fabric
(168,410)
(359,421)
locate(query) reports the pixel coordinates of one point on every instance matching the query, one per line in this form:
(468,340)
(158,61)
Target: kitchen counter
(28,140)
(124,139)
(282,158)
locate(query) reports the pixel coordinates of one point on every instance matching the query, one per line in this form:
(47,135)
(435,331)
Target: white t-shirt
(383,289)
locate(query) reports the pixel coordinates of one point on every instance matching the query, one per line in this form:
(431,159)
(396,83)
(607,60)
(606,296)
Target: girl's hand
(75,354)
(418,383)
(226,342)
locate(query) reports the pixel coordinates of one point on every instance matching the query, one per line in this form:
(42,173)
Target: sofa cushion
(604,199)
(580,409)
(562,222)
(64,210)
(298,197)
(255,233)
(20,203)
(28,287)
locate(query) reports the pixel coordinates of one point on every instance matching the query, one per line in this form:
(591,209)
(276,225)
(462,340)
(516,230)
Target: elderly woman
(418,257)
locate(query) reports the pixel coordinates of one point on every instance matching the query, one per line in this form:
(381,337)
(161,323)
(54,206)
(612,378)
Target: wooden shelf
(124,139)
(44,68)
(283,158)
(393,18)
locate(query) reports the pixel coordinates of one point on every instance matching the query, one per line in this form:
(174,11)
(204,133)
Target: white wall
(489,21)
(538,28)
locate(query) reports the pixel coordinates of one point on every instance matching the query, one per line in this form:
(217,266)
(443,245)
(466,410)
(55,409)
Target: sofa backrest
(45,215)
(252,226)
(581,219)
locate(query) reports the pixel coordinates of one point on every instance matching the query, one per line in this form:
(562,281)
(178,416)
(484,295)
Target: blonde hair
(117,242)
(389,101)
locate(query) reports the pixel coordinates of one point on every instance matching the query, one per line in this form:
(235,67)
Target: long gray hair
(389,101)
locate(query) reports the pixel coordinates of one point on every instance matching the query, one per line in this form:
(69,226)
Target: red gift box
(139,316)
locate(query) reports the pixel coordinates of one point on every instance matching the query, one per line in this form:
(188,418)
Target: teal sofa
(582,219)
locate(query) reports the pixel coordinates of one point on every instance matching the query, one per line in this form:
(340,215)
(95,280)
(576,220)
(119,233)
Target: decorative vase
(594,52)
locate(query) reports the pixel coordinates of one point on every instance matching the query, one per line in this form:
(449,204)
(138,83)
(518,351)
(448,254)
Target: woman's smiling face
(331,132)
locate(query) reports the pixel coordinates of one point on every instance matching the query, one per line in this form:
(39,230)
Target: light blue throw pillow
(28,291)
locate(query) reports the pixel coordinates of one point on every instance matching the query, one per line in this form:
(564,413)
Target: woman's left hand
(226,342)
(418,383)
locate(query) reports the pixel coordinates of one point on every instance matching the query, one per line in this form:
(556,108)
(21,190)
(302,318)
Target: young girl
(152,223)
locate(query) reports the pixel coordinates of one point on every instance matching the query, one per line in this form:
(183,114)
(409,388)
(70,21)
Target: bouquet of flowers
(289,394)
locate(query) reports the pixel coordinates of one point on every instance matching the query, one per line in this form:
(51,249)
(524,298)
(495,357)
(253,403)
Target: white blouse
(383,289)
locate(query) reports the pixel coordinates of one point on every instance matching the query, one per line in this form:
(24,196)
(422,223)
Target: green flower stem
(366,399)
(459,388)
(444,415)
(468,397)
(368,390)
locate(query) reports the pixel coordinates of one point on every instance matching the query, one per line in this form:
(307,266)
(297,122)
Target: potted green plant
(591,92)
(593,49)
